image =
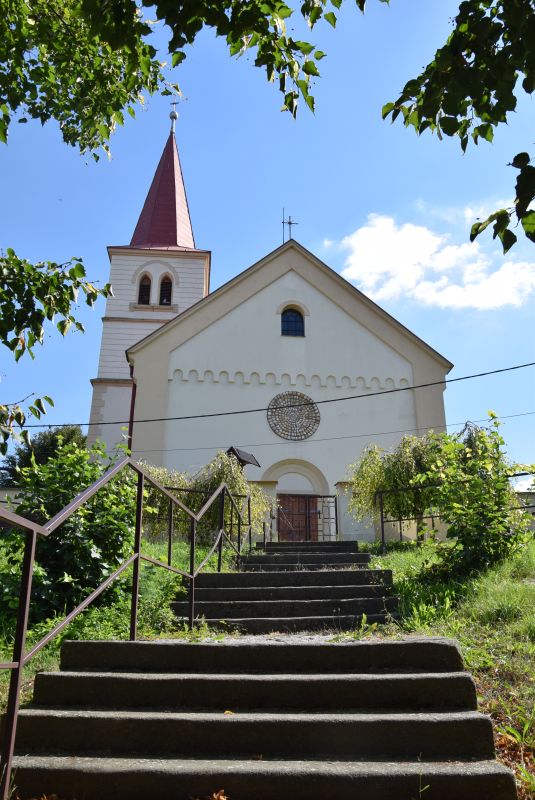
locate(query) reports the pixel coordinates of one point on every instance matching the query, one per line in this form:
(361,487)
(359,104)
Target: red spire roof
(165,221)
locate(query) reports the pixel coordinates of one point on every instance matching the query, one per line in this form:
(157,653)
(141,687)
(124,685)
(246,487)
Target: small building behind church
(287,361)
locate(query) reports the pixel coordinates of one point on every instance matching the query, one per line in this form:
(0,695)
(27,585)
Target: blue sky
(387,209)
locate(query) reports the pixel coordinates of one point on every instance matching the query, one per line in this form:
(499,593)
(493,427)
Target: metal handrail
(33,529)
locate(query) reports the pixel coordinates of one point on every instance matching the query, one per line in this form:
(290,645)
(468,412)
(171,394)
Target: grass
(493,618)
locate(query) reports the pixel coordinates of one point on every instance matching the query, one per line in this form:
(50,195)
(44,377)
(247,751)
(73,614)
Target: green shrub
(80,554)
(222,469)
(475,498)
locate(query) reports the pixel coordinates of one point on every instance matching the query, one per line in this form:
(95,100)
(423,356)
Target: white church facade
(320,369)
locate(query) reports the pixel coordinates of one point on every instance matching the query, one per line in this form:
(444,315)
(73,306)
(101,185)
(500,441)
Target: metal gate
(307,518)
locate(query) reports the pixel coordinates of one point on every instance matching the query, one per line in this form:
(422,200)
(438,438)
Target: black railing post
(170,531)
(137,562)
(13,701)
(383,543)
(239,541)
(192,542)
(221,529)
(264,526)
(249,524)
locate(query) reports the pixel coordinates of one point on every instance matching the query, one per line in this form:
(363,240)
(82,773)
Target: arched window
(166,291)
(292,322)
(144,291)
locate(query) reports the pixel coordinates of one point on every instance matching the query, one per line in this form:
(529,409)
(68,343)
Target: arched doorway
(305,509)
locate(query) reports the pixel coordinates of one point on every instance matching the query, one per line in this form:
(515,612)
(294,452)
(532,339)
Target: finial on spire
(173,116)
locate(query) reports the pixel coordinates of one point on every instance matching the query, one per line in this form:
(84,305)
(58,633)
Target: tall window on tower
(144,291)
(292,322)
(166,291)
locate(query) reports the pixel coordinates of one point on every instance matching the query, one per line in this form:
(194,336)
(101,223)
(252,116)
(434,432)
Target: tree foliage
(85,62)
(463,477)
(31,295)
(54,64)
(92,543)
(390,472)
(199,487)
(474,495)
(84,550)
(42,447)
(470,88)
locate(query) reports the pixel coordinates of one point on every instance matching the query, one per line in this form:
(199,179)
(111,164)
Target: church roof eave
(214,299)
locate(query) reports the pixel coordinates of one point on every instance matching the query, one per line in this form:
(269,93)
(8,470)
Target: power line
(295,405)
(331,438)
(323,439)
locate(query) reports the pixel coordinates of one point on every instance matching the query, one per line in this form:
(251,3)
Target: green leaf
(520,160)
(304,47)
(507,238)
(387,108)
(330,16)
(63,326)
(528,223)
(450,125)
(310,68)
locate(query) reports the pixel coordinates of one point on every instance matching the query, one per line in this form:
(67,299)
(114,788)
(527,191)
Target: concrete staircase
(289,556)
(295,587)
(390,720)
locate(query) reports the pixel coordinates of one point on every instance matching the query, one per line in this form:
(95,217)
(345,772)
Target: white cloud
(388,261)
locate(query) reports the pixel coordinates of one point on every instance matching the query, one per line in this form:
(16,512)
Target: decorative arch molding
(297,466)
(346,382)
(156,270)
(297,304)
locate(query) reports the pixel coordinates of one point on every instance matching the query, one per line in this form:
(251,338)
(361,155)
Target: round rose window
(293,415)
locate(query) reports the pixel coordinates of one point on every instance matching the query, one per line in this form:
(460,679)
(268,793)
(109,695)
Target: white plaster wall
(123,325)
(241,361)
(127,268)
(249,339)
(117,336)
(110,403)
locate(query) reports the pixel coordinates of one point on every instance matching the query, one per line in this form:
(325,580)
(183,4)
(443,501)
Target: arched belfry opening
(143,297)
(166,291)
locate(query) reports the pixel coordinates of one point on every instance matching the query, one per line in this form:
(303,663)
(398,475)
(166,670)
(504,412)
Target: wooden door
(297,518)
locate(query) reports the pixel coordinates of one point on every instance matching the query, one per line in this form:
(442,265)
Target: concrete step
(464,735)
(232,609)
(351,692)
(327,546)
(338,577)
(307,624)
(286,567)
(307,558)
(379,720)
(137,778)
(410,655)
(291,592)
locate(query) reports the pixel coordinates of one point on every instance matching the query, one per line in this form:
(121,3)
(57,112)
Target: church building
(317,368)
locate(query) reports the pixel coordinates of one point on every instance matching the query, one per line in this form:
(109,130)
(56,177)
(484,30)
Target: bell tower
(158,275)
